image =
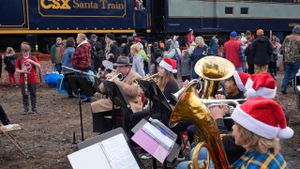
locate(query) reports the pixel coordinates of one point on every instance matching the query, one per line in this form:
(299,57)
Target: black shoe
(25,113)
(34,111)
(283,92)
(71,96)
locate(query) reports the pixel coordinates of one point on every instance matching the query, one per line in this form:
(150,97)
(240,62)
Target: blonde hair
(199,38)
(162,81)
(10,50)
(25,47)
(258,143)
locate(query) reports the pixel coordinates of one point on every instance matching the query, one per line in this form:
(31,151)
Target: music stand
(152,91)
(118,99)
(158,99)
(108,135)
(81,86)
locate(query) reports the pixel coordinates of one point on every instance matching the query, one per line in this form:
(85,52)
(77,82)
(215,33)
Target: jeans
(290,70)
(239,69)
(202,156)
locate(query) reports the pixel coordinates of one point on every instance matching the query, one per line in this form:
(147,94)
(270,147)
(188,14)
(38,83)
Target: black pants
(3,117)
(250,68)
(32,92)
(67,83)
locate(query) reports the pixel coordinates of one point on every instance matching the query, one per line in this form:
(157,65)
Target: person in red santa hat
(259,125)
(166,80)
(262,84)
(235,86)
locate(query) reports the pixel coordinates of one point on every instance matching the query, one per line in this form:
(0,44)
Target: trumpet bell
(214,68)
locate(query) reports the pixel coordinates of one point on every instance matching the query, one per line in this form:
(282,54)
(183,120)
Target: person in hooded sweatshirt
(262,50)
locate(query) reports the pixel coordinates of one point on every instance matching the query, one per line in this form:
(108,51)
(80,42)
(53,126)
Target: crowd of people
(255,61)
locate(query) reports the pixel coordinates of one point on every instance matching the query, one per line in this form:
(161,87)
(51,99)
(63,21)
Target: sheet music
(118,153)
(156,134)
(91,157)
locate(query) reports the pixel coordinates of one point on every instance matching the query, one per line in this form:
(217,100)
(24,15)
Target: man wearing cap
(261,52)
(111,50)
(131,89)
(291,56)
(233,51)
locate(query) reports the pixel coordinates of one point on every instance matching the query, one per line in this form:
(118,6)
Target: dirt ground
(47,137)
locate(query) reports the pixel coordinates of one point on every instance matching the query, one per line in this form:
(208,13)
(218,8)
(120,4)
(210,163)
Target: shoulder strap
(19,61)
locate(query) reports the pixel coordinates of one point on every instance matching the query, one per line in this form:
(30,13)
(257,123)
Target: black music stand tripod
(81,86)
(152,91)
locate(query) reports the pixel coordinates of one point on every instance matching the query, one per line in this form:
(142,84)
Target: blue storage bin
(51,79)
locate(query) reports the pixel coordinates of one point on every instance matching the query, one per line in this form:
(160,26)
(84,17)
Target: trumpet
(152,77)
(118,75)
(235,102)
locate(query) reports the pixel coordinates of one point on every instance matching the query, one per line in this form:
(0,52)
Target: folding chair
(11,138)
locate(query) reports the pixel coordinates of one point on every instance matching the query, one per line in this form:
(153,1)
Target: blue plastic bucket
(51,79)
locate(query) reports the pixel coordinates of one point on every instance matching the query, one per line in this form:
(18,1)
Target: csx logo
(55,4)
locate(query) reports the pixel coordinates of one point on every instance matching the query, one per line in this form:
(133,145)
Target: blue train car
(228,15)
(70,16)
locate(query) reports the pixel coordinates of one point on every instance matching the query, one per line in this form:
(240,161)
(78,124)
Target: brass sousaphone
(190,107)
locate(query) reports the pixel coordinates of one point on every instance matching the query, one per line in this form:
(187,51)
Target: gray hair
(199,38)
(296,29)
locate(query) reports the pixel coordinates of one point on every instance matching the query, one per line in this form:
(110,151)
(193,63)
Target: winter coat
(131,90)
(262,50)
(10,62)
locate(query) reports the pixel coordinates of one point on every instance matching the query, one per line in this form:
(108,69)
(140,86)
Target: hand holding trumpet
(218,110)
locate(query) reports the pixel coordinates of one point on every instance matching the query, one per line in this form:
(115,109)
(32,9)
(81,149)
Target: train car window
(244,10)
(228,10)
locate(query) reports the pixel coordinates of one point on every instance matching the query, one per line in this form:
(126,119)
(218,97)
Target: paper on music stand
(150,145)
(158,135)
(118,153)
(91,157)
(112,153)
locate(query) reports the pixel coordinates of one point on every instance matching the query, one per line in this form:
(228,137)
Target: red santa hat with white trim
(249,82)
(264,117)
(168,64)
(263,85)
(241,79)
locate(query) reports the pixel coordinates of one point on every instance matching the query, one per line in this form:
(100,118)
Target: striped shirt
(256,160)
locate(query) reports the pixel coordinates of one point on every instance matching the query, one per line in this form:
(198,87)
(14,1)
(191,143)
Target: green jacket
(144,55)
(55,55)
